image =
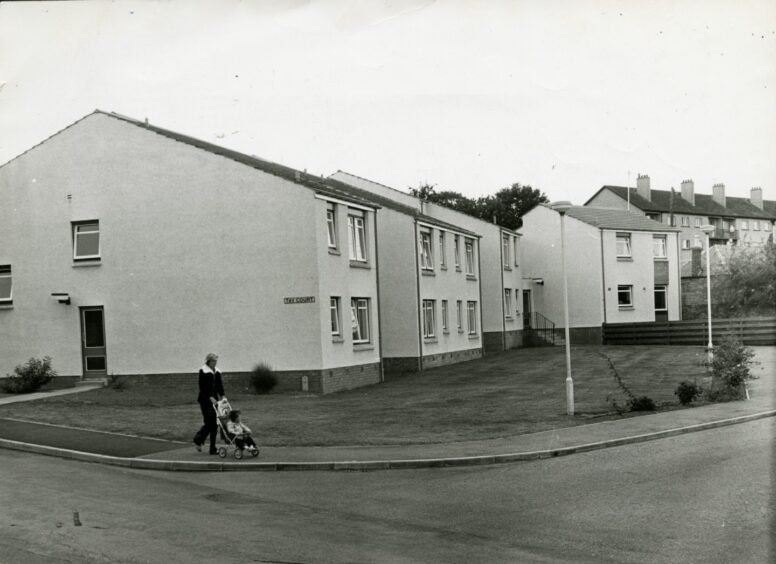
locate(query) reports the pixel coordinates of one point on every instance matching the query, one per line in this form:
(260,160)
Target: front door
(526,309)
(93,342)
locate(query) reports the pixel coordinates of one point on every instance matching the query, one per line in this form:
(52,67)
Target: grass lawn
(516,392)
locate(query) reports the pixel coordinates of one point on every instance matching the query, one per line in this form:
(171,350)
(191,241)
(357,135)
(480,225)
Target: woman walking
(211,389)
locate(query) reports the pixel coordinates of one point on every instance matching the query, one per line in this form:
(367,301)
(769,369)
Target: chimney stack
(642,186)
(688,191)
(756,197)
(718,194)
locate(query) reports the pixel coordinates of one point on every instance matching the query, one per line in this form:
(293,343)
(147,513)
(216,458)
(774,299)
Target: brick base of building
(584,335)
(397,364)
(443,359)
(499,341)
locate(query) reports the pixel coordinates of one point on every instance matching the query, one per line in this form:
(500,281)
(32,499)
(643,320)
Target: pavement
(155,454)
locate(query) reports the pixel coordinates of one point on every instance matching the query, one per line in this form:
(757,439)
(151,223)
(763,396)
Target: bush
(263,379)
(641,403)
(30,377)
(730,369)
(687,392)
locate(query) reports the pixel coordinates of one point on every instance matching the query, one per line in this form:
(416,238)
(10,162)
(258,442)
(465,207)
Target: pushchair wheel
(222,452)
(238,454)
(255,452)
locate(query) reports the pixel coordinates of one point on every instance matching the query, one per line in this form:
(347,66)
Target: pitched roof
(671,201)
(607,218)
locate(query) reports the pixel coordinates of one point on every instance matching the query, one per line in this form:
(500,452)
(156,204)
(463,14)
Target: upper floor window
(426,259)
(331,225)
(334,308)
(654,216)
(685,221)
(698,221)
(469,244)
(517,252)
(508,302)
(697,243)
(755,225)
(457,245)
(505,250)
(357,237)
(685,244)
(86,240)
(442,251)
(429,324)
(6,285)
(744,224)
(623,245)
(471,310)
(673,221)
(359,319)
(659,246)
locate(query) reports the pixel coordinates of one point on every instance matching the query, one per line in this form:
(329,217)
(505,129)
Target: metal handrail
(539,324)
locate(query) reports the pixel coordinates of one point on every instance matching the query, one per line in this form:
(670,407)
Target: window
(505,250)
(459,315)
(698,221)
(334,307)
(697,243)
(685,221)
(359,318)
(357,236)
(457,245)
(623,245)
(6,285)
(755,226)
(660,298)
(429,326)
(508,302)
(517,252)
(673,221)
(442,251)
(744,225)
(471,309)
(86,240)
(654,216)
(659,247)
(517,302)
(469,256)
(445,324)
(625,296)
(685,244)
(426,260)
(331,225)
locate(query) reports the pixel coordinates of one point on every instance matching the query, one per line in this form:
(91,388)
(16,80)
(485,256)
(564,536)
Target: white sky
(564,95)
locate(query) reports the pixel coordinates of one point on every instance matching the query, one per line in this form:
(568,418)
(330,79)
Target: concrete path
(146,453)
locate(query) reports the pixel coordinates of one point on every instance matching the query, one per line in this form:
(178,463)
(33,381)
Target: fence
(751,331)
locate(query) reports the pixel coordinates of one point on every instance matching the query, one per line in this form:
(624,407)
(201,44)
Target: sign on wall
(300,300)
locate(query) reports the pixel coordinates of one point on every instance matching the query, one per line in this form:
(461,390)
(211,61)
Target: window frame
(457,249)
(459,315)
(76,233)
(744,225)
(6,271)
(663,247)
(661,288)
(628,288)
(445,317)
(505,251)
(755,225)
(335,317)
(442,250)
(685,220)
(356,233)
(508,303)
(517,254)
(331,226)
(429,319)
(469,250)
(355,308)
(686,246)
(698,222)
(471,317)
(626,237)
(426,250)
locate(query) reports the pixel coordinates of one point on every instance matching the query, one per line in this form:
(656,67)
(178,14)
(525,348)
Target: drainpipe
(419,302)
(503,313)
(379,311)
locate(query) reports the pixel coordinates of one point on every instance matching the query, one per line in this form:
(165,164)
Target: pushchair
(223,409)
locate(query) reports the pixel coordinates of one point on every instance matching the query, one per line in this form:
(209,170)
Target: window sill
(458,269)
(443,267)
(460,331)
(474,337)
(626,308)
(6,306)
(427,273)
(360,264)
(427,340)
(661,259)
(363,347)
(334,252)
(337,339)
(90,262)
(507,268)
(625,259)
(445,331)
(509,319)
(471,277)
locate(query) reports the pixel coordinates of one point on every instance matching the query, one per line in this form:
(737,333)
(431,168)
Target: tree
(508,205)
(745,283)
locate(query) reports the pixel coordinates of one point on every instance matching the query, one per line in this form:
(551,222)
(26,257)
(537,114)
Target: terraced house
(132,250)
(736,220)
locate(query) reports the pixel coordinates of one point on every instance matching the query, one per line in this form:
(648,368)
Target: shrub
(263,378)
(641,403)
(730,369)
(30,377)
(687,392)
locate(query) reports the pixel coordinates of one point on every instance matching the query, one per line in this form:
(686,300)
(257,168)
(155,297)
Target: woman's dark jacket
(210,384)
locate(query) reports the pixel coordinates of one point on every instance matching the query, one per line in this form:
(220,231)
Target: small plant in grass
(117,383)
(730,369)
(29,377)
(688,392)
(263,378)
(642,403)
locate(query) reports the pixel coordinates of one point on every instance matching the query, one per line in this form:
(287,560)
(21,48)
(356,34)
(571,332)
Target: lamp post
(707,229)
(562,207)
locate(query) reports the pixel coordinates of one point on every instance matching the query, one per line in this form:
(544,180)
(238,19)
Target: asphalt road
(702,497)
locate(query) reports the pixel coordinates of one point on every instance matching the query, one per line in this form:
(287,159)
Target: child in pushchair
(233,431)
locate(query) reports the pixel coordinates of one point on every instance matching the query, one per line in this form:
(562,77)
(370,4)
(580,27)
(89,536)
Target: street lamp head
(561,206)
(707,228)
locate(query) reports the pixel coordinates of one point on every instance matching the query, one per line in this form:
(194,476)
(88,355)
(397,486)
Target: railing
(751,331)
(540,325)
(721,233)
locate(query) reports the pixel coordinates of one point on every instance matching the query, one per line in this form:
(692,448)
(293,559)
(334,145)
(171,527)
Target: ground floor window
(660,298)
(459,315)
(625,296)
(445,325)
(359,318)
(6,286)
(334,307)
(471,308)
(429,329)
(508,302)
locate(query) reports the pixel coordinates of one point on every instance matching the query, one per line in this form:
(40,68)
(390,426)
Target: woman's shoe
(198,446)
